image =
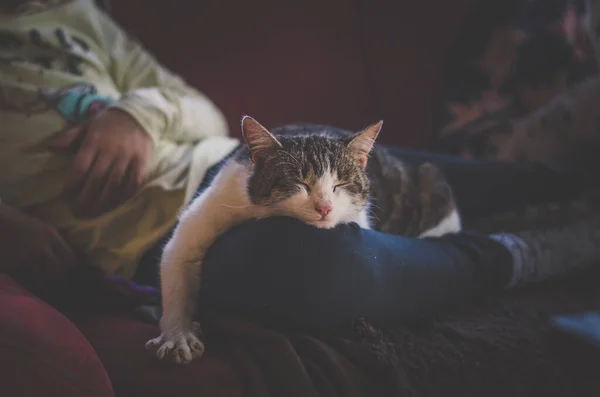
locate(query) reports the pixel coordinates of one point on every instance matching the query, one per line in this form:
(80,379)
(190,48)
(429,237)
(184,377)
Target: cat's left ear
(362,143)
(259,140)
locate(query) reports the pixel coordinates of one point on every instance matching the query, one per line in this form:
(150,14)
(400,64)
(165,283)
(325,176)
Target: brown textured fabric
(505,346)
(501,346)
(280,364)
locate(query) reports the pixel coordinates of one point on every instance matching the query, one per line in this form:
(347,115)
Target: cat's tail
(544,216)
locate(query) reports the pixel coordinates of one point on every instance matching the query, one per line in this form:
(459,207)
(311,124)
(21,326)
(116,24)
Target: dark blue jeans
(317,278)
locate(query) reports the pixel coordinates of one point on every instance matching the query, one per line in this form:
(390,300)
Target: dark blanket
(502,346)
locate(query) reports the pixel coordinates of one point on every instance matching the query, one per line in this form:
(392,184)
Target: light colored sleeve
(162,103)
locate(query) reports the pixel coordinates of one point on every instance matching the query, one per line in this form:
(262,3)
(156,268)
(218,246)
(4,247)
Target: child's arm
(160,101)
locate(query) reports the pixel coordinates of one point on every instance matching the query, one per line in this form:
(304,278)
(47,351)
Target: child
(106,146)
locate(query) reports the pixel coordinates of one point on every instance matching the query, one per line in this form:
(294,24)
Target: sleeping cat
(320,175)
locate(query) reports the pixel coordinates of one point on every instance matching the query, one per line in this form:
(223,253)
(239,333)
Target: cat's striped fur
(321,176)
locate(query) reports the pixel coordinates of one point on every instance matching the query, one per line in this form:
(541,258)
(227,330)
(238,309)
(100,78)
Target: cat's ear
(258,139)
(361,144)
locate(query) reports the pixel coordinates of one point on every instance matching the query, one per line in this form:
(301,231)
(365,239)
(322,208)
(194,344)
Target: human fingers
(115,187)
(86,200)
(81,166)
(134,177)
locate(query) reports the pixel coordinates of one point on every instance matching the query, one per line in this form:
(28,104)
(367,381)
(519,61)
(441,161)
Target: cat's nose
(323,208)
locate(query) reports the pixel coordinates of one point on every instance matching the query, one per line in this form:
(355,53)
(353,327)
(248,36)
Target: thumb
(66,140)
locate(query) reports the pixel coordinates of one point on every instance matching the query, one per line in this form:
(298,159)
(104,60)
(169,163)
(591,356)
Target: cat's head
(317,179)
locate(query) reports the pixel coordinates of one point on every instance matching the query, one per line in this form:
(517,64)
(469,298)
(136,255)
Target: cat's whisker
(372,214)
(372,209)
(374,205)
(283,162)
(306,212)
(237,206)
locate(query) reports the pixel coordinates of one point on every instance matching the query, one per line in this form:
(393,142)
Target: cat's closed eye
(305,186)
(340,185)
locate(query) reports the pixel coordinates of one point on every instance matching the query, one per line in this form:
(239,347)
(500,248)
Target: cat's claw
(181,348)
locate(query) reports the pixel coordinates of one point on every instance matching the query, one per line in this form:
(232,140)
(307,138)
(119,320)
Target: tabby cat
(320,175)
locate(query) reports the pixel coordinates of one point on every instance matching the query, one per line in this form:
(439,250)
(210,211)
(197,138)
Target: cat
(322,176)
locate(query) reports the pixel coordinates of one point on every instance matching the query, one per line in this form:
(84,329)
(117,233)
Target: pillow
(42,352)
(512,59)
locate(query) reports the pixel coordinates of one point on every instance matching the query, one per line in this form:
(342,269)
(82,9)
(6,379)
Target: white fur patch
(450,224)
(363,219)
(302,204)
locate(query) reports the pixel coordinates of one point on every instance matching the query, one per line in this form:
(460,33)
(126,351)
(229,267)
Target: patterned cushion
(517,57)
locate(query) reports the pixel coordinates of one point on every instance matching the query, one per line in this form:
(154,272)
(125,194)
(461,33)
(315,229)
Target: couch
(338,62)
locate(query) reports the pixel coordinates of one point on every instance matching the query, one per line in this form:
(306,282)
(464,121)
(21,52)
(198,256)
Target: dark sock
(538,255)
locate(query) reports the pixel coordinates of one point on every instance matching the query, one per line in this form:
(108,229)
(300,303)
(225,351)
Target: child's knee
(284,243)
(285,265)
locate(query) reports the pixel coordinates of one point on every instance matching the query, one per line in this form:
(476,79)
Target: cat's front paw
(181,347)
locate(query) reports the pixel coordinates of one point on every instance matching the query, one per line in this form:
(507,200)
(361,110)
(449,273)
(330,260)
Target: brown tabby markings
(405,200)
(303,160)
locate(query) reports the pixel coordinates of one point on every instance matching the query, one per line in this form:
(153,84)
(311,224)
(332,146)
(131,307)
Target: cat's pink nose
(323,209)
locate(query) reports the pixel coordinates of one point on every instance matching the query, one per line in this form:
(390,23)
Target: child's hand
(112,154)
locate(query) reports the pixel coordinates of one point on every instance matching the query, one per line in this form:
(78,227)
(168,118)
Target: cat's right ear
(360,144)
(258,139)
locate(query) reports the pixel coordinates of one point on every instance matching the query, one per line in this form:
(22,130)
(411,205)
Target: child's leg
(318,278)
(484,187)
(321,276)
(538,255)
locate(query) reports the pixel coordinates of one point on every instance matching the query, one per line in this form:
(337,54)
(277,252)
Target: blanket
(504,345)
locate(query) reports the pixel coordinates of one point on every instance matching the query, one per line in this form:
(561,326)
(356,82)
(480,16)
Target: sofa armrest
(42,352)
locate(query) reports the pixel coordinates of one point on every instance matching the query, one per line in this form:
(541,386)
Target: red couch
(339,62)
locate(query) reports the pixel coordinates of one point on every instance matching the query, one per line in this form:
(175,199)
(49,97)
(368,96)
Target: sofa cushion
(37,339)
(119,340)
(513,59)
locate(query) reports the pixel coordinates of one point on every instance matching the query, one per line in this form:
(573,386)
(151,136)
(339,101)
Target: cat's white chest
(363,219)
